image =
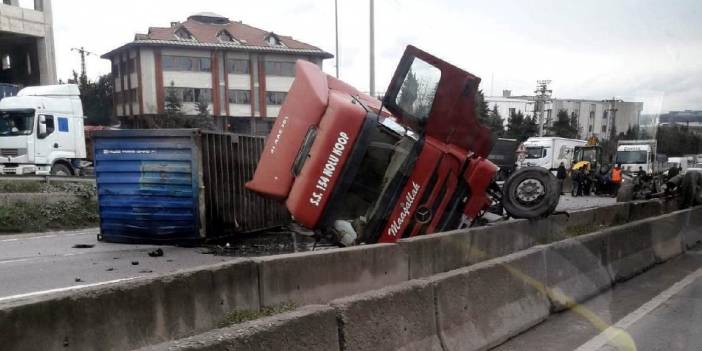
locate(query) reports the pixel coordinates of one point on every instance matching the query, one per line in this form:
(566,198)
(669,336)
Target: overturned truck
(360,170)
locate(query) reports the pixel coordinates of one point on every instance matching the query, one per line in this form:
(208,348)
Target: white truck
(41,131)
(635,154)
(547,152)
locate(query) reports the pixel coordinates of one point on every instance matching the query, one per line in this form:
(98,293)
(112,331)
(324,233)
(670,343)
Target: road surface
(658,310)
(39,263)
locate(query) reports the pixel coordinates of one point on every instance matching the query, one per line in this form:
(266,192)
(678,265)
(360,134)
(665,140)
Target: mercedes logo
(423,214)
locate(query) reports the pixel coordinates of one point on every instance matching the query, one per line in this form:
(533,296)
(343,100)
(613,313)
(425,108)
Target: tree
(174,105)
(489,119)
(96,97)
(520,127)
(563,126)
(203,108)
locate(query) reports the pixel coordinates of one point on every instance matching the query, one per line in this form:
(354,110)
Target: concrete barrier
(639,210)
(307,329)
(577,269)
(131,314)
(611,215)
(321,276)
(481,306)
(692,227)
(400,317)
(666,236)
(431,254)
(630,249)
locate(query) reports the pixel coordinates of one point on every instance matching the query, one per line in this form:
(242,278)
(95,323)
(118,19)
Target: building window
(184,63)
(238,66)
(115,70)
(182,33)
(604,128)
(242,97)
(273,40)
(225,37)
(132,66)
(7,2)
(191,94)
(512,112)
(275,97)
(6,62)
(283,69)
(590,128)
(123,68)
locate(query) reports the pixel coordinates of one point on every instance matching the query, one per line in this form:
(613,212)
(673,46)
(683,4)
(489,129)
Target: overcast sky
(635,50)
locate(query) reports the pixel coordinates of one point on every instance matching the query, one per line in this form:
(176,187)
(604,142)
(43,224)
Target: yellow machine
(588,156)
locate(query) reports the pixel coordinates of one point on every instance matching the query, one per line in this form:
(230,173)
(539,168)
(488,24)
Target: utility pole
(372,48)
(543,94)
(613,113)
(82,53)
(336,31)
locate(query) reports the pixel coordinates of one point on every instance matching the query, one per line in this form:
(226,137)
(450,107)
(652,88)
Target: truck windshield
(14,123)
(535,152)
(631,157)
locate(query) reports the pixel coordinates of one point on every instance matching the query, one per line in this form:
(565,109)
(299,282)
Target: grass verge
(242,316)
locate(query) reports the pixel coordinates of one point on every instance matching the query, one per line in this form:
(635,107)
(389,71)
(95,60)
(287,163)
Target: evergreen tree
(203,108)
(563,126)
(174,105)
(96,97)
(489,119)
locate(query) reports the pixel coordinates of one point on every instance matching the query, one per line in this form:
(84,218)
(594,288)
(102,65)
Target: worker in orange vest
(616,179)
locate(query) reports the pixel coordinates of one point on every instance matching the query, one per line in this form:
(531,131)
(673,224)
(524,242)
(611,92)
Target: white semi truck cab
(635,154)
(41,131)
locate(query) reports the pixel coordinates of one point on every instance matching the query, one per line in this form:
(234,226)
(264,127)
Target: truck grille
(9,152)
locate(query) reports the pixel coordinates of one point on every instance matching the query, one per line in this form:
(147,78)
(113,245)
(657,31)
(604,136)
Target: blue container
(179,186)
(8,90)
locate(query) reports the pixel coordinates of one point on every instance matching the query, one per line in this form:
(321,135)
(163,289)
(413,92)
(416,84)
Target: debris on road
(83,246)
(146,271)
(156,253)
(110,269)
(135,263)
(78,280)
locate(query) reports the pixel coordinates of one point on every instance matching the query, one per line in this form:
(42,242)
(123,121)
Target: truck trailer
(359,170)
(549,152)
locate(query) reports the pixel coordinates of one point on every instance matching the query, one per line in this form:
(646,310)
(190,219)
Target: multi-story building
(595,117)
(243,73)
(27,43)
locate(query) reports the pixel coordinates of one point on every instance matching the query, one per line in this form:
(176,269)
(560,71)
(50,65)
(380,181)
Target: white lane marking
(612,332)
(6,240)
(69,288)
(14,261)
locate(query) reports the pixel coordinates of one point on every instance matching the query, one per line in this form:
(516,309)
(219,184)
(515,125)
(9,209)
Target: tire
(531,192)
(59,169)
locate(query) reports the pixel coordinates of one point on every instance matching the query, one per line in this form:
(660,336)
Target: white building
(27,43)
(594,116)
(243,72)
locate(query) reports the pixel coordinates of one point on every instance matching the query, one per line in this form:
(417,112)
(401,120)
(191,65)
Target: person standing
(561,174)
(616,179)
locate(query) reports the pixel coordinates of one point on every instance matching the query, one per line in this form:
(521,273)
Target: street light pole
(372,48)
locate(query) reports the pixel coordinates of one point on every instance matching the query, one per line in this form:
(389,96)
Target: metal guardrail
(49,179)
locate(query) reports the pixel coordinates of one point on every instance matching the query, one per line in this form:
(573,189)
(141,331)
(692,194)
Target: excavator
(358,170)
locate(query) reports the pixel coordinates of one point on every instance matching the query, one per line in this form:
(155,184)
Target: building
(242,72)
(27,44)
(687,118)
(594,116)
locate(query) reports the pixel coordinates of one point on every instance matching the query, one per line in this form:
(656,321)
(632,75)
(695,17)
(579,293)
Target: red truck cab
(364,171)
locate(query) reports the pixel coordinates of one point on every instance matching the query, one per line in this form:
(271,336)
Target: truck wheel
(531,192)
(60,170)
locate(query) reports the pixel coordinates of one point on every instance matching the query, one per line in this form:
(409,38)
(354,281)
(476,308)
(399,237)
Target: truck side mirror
(42,126)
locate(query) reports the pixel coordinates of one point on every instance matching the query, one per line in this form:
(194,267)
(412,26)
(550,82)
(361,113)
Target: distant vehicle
(632,154)
(549,152)
(679,162)
(41,131)
(504,155)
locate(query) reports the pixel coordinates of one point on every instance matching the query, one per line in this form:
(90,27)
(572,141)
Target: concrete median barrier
(639,210)
(321,276)
(437,253)
(630,249)
(666,236)
(611,215)
(692,227)
(481,306)
(400,317)
(130,314)
(310,328)
(577,269)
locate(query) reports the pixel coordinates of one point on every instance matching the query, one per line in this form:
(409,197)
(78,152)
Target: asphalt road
(658,310)
(40,263)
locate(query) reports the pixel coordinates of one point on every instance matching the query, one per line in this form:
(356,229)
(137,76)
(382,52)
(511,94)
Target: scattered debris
(83,246)
(169,260)
(110,269)
(146,271)
(78,280)
(156,253)
(135,263)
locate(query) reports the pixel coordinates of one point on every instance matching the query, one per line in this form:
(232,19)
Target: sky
(635,50)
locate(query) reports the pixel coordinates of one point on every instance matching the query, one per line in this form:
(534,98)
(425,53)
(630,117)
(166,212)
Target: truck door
(43,147)
(437,99)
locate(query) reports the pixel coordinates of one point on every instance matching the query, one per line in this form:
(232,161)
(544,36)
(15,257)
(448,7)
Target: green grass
(24,217)
(242,316)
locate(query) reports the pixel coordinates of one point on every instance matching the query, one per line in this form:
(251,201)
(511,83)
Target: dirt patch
(242,316)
